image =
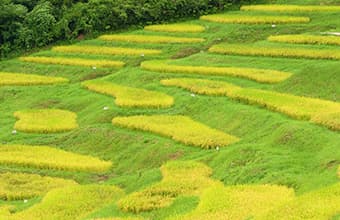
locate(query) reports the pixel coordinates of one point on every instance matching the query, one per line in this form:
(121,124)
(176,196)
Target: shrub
(43,157)
(45,121)
(74,61)
(16,186)
(20,79)
(129,96)
(179,178)
(278,51)
(291,8)
(74,202)
(315,110)
(184,28)
(179,128)
(305,39)
(259,75)
(149,39)
(254,19)
(105,50)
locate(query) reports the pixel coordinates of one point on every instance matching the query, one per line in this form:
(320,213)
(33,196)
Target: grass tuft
(20,79)
(183,28)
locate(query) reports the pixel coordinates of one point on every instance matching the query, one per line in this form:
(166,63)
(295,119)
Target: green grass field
(273,151)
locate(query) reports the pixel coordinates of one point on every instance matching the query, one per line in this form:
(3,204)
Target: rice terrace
(170,110)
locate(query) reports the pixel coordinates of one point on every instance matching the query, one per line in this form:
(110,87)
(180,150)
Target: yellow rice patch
(291,8)
(45,121)
(15,186)
(259,75)
(150,39)
(74,203)
(43,157)
(180,128)
(319,111)
(253,50)
(305,39)
(184,28)
(73,61)
(179,178)
(106,50)
(254,19)
(19,79)
(129,96)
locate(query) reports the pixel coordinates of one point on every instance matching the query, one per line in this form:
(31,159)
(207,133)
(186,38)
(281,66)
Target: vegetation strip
(291,8)
(305,39)
(44,157)
(149,39)
(182,28)
(259,75)
(254,19)
(15,186)
(180,128)
(318,111)
(129,96)
(45,121)
(21,79)
(278,51)
(74,61)
(106,50)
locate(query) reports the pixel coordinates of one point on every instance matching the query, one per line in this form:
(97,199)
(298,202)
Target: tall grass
(305,39)
(150,39)
(20,79)
(184,28)
(292,8)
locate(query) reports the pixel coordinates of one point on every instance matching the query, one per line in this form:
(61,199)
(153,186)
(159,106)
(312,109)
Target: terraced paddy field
(230,116)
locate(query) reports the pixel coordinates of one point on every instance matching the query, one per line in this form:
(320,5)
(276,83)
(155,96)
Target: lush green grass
(273,148)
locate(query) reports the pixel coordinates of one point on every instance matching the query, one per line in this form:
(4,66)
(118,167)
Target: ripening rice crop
(238,202)
(305,39)
(43,157)
(254,19)
(179,178)
(45,121)
(319,111)
(149,39)
(259,75)
(73,61)
(75,202)
(291,8)
(15,186)
(129,96)
(119,218)
(282,51)
(184,28)
(106,50)
(179,128)
(19,79)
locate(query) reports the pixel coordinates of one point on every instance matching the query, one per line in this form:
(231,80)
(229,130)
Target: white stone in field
(25,201)
(105,108)
(192,95)
(142,55)
(273,25)
(219,39)
(217,148)
(94,67)
(14,132)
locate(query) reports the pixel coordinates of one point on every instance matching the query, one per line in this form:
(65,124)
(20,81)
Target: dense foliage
(25,24)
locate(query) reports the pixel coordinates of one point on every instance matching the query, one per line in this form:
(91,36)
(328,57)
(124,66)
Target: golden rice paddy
(291,8)
(305,39)
(20,79)
(182,28)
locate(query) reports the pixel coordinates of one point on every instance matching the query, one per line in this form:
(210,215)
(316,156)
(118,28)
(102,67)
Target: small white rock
(217,148)
(219,39)
(25,201)
(142,55)
(273,25)
(106,108)
(192,95)
(94,67)
(14,132)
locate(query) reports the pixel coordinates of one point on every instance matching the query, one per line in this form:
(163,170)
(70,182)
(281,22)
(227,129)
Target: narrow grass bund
(129,96)
(305,39)
(43,157)
(106,50)
(238,202)
(74,203)
(254,19)
(74,61)
(253,50)
(149,39)
(179,128)
(15,186)
(291,8)
(184,28)
(318,111)
(179,178)
(20,79)
(45,121)
(259,75)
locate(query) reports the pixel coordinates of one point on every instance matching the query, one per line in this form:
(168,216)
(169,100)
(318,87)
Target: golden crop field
(45,121)
(150,39)
(21,79)
(259,75)
(185,28)
(129,96)
(180,128)
(305,39)
(291,8)
(44,157)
